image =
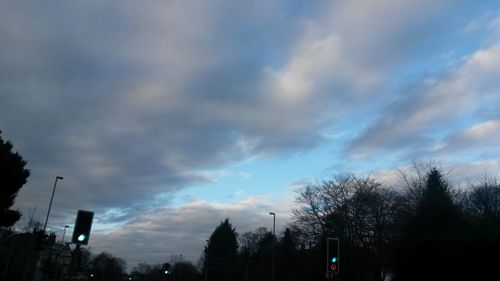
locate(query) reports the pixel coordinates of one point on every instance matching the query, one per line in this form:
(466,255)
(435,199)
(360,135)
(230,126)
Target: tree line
(424,229)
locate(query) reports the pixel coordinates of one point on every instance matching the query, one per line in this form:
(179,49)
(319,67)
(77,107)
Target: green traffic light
(81,237)
(334,259)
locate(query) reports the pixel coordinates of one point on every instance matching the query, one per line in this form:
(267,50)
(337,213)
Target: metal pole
(50,204)
(274,243)
(206,263)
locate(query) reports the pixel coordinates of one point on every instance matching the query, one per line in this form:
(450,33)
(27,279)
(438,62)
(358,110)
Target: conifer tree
(222,249)
(432,243)
(13,175)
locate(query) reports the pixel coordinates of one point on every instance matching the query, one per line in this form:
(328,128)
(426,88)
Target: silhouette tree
(262,265)
(185,271)
(223,259)
(433,239)
(358,211)
(483,210)
(287,258)
(146,272)
(13,175)
(106,267)
(249,241)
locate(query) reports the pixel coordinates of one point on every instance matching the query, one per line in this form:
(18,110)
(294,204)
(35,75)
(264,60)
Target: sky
(166,117)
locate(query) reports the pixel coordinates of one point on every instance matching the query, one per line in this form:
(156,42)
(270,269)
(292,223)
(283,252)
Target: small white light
(166,271)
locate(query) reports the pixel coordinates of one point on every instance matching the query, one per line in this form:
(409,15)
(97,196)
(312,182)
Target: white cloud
(155,235)
(481,138)
(436,104)
(489,22)
(484,130)
(460,174)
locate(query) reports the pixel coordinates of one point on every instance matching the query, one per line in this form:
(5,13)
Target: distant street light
(274,241)
(64,232)
(50,204)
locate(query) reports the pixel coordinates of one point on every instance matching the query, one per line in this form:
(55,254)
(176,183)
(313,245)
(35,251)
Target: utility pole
(274,243)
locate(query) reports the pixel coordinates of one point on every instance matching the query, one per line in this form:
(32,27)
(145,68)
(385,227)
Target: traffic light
(83,224)
(332,255)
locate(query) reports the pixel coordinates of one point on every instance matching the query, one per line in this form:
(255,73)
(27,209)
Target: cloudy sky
(165,117)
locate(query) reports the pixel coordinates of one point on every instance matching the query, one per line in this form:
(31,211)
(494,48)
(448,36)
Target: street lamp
(50,204)
(64,232)
(274,241)
(206,262)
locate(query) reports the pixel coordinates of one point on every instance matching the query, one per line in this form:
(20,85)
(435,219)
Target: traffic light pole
(332,258)
(75,261)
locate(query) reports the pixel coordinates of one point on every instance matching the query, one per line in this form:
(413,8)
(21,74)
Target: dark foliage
(184,271)
(106,267)
(483,211)
(224,263)
(434,238)
(13,175)
(428,231)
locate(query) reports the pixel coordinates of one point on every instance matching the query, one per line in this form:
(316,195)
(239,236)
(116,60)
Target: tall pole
(274,242)
(206,262)
(50,205)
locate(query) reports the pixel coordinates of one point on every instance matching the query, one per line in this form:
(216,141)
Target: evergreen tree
(287,263)
(263,258)
(432,244)
(13,175)
(223,261)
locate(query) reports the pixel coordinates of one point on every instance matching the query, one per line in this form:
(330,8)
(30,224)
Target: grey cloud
(126,102)
(481,138)
(173,231)
(436,104)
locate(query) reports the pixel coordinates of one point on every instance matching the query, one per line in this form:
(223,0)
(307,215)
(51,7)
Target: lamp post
(274,242)
(50,204)
(206,262)
(64,232)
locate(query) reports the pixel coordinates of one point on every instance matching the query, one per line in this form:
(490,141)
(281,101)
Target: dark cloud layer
(125,102)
